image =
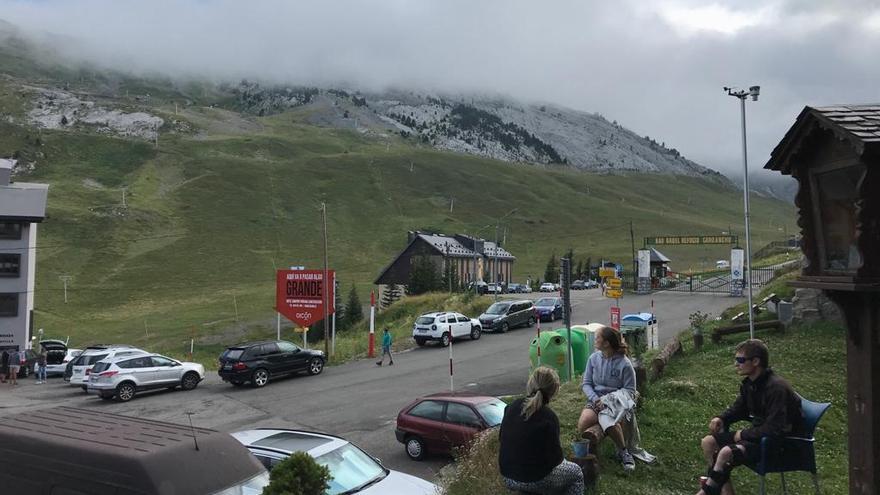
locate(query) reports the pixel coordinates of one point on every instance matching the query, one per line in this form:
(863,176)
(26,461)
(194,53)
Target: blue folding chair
(784,454)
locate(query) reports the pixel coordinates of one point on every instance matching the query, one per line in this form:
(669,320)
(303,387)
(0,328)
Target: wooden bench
(744,328)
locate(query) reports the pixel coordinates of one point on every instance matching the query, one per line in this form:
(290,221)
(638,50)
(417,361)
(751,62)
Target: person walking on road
(41,366)
(386,349)
(14,366)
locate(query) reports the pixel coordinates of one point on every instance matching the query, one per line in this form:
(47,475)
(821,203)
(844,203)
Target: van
(504,315)
(72,451)
(722,264)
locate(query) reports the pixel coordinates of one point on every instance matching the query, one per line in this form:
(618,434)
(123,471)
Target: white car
(81,366)
(124,376)
(444,327)
(351,469)
(547,287)
(58,368)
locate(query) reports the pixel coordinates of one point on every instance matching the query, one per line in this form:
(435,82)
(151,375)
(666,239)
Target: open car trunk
(56,350)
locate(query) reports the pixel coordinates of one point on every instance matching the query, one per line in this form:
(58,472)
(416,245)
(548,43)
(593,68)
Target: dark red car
(440,422)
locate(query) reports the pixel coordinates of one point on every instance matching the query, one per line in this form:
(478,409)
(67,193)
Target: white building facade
(22,207)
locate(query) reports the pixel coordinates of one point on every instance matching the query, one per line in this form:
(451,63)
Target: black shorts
(752,449)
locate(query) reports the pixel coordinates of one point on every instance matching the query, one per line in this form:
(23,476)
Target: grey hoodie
(604,375)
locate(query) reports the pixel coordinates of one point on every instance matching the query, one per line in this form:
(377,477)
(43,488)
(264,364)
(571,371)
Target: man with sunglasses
(765,399)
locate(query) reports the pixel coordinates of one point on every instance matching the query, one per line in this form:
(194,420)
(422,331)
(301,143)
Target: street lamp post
(495,264)
(742,94)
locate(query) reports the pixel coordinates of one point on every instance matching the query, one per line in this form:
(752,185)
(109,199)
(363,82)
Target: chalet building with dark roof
(471,258)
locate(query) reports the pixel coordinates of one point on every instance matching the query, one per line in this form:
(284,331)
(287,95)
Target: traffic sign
(300,329)
(615,317)
(607,271)
(615,283)
(615,293)
(299,295)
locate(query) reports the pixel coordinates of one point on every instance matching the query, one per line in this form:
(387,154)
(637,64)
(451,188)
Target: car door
(142,370)
(461,424)
(293,357)
(425,419)
(168,371)
(463,324)
(271,355)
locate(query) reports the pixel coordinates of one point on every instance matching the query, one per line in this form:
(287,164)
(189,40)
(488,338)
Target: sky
(657,67)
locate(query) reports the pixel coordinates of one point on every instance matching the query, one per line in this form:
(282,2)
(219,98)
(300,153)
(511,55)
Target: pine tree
(579,273)
(340,309)
(450,281)
(423,277)
(354,312)
(551,273)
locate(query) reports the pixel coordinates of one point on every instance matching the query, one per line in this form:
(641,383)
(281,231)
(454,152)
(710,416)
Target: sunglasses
(742,359)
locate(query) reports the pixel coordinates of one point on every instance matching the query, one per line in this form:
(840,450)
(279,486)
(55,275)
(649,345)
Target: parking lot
(359,400)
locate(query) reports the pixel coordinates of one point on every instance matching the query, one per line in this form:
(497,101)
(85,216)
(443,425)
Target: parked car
(591,284)
(81,366)
(92,452)
(440,422)
(525,288)
(549,308)
(257,362)
(504,315)
(351,469)
(482,287)
(57,356)
(494,288)
(547,287)
(578,285)
(513,288)
(122,377)
(444,327)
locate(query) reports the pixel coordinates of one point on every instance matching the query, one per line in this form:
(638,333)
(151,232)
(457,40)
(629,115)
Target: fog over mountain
(655,67)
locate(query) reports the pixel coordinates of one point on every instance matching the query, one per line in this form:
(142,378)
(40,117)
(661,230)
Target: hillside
(215,200)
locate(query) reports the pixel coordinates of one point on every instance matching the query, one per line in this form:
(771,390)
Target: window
(232,353)
(140,362)
(287,347)
(9,304)
(10,230)
(429,409)
(268,349)
(461,414)
(464,319)
(10,265)
(162,361)
(267,462)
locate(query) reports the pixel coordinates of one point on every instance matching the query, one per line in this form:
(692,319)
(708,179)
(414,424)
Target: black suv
(504,315)
(256,362)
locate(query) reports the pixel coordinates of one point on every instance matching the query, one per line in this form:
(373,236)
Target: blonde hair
(542,386)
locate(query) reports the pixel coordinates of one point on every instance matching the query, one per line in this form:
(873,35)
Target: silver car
(81,366)
(351,469)
(124,376)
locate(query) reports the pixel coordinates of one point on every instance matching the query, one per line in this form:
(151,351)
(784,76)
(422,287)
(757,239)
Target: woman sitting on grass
(530,456)
(608,372)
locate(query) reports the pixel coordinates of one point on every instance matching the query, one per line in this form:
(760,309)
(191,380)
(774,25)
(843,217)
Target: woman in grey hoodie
(608,370)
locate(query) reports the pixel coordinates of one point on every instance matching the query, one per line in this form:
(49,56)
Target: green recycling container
(553,352)
(582,347)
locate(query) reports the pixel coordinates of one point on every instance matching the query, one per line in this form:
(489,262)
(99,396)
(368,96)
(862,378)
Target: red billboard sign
(615,317)
(300,295)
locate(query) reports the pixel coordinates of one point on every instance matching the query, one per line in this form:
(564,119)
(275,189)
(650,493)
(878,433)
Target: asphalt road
(359,400)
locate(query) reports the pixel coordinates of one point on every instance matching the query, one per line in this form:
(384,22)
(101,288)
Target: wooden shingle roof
(857,124)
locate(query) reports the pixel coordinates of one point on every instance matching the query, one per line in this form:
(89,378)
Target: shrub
(299,474)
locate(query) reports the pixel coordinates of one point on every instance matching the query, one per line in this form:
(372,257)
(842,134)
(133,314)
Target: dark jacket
(529,449)
(770,404)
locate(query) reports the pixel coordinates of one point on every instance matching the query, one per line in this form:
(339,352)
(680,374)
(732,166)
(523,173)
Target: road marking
(471,385)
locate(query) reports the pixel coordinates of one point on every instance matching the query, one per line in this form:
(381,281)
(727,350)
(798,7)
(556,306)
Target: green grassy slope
(210,215)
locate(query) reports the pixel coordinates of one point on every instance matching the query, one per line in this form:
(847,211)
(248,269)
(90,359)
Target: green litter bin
(582,347)
(553,352)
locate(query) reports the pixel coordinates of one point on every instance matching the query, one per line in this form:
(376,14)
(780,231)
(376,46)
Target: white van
(722,264)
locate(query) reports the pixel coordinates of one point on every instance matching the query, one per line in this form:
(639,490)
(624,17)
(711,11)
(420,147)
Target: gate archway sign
(300,295)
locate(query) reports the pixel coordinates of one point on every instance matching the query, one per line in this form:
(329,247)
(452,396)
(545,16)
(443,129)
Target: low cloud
(655,67)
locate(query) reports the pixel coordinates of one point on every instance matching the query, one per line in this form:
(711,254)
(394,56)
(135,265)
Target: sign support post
(372,344)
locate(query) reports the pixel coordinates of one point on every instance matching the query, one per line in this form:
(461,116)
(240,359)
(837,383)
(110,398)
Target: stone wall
(812,305)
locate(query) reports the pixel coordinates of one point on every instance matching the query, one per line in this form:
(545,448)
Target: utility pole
(325,282)
(565,270)
(65,279)
(474,276)
(632,242)
(495,266)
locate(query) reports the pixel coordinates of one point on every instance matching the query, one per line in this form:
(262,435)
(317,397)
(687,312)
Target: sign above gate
(686,240)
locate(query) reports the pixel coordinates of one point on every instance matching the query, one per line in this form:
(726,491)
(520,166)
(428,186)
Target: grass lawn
(677,408)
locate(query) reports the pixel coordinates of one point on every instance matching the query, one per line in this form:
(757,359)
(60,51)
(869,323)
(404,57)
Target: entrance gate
(716,282)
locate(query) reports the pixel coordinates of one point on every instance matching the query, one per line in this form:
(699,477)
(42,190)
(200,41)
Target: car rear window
(92,359)
(232,353)
(99,367)
(425,320)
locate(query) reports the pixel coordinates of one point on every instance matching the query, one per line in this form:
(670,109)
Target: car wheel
(475,332)
(125,392)
(415,448)
(531,321)
(420,342)
(189,381)
(260,378)
(505,327)
(316,366)
(445,340)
